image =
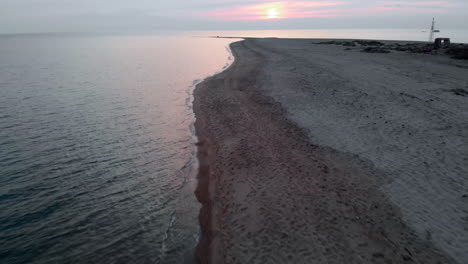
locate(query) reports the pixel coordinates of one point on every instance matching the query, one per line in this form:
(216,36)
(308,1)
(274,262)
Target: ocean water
(97,154)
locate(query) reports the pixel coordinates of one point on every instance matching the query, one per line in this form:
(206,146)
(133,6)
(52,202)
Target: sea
(97,145)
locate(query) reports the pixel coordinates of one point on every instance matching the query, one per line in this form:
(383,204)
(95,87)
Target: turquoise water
(97,147)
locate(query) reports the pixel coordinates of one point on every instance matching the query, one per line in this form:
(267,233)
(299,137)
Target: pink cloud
(411,3)
(417,4)
(276,10)
(382,10)
(307,9)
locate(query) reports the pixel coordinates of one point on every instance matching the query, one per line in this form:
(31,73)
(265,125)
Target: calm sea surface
(97,148)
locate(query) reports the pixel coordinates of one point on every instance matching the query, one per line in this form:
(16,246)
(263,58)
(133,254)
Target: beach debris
(375,50)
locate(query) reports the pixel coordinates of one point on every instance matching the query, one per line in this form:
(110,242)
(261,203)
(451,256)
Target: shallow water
(97,147)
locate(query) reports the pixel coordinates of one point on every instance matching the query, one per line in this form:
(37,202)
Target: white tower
(431,34)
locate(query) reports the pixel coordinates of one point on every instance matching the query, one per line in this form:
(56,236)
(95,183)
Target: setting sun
(273,13)
(279,10)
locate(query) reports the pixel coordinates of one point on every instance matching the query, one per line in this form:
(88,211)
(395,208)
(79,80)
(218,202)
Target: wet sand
(315,154)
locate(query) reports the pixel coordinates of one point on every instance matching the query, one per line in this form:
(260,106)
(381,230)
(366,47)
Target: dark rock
(458,52)
(460,92)
(325,169)
(406,258)
(330,43)
(412,47)
(375,50)
(368,43)
(378,255)
(349,44)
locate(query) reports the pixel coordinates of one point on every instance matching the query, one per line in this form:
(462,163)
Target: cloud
(151,15)
(417,4)
(310,9)
(276,10)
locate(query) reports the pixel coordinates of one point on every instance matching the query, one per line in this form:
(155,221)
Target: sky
(36,16)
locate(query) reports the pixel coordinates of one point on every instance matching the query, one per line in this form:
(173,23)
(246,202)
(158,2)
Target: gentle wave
(97,150)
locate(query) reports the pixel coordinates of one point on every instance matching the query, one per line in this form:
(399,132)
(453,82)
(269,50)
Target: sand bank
(315,154)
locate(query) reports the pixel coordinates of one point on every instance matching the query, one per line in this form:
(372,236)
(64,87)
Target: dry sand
(313,154)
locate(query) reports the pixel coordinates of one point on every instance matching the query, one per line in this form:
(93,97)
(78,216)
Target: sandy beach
(325,154)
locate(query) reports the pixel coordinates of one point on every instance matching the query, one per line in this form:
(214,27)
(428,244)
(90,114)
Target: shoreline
(262,179)
(202,192)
